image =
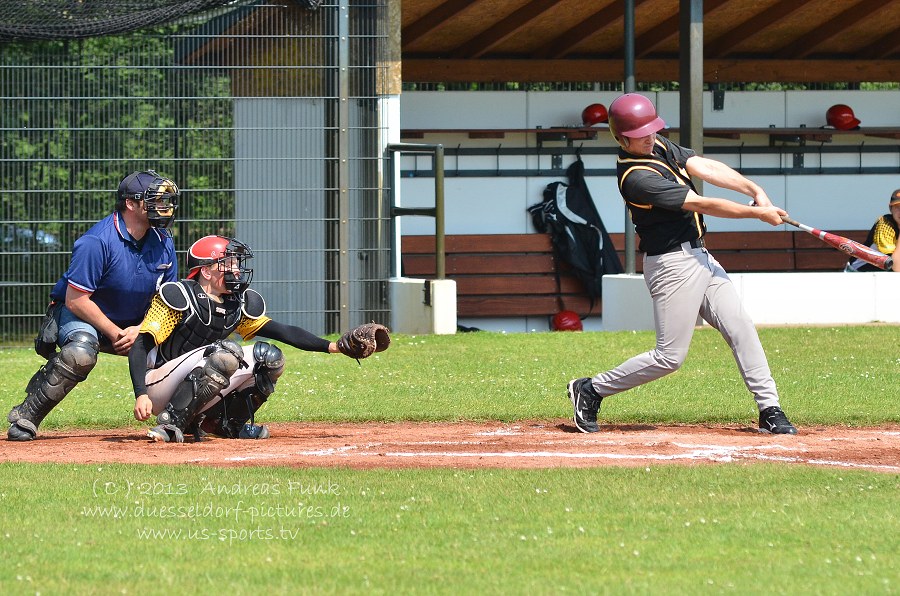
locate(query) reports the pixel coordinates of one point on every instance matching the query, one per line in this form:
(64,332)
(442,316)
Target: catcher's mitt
(365,340)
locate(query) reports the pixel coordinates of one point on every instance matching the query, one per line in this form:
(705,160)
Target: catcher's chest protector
(205,320)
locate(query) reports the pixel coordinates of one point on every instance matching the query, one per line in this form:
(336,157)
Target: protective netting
(72,19)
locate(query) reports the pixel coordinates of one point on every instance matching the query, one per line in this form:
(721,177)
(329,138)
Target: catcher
(188,373)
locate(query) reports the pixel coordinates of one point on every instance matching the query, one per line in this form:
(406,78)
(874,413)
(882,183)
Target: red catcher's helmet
(633,115)
(567,320)
(228,255)
(841,117)
(594,114)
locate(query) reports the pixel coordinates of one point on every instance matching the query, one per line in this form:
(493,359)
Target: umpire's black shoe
(772,420)
(586,403)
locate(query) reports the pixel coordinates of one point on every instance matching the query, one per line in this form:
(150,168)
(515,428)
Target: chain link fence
(268,115)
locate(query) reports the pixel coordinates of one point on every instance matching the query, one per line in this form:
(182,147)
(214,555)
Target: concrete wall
(815,298)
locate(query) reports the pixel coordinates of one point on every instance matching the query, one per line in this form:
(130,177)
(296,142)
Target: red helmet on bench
(594,114)
(841,117)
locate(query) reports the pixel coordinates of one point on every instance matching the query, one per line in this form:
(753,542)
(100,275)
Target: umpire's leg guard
(200,386)
(233,417)
(51,383)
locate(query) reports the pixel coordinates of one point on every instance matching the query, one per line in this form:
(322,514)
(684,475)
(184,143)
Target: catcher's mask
(230,257)
(158,196)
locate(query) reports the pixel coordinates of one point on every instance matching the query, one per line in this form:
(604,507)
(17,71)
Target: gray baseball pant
(162,381)
(682,285)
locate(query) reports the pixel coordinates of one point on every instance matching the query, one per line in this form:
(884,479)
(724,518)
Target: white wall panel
(462,109)
(846,201)
(872,108)
(836,202)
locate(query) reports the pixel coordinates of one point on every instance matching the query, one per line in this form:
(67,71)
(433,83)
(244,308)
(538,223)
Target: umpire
(684,279)
(97,304)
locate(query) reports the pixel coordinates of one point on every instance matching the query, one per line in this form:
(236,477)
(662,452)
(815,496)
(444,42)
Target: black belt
(695,243)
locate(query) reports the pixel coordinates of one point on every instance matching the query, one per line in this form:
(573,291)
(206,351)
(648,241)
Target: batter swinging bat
(846,245)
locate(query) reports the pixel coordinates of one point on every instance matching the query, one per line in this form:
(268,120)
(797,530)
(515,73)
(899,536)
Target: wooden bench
(506,275)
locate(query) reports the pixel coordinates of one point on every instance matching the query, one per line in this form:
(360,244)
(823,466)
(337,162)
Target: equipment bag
(576,231)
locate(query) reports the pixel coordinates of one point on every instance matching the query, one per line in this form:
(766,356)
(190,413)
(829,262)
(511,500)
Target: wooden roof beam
(726,42)
(484,42)
(606,17)
(666,30)
(806,44)
(647,70)
(882,48)
(434,19)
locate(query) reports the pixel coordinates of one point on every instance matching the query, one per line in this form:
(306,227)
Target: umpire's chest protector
(205,320)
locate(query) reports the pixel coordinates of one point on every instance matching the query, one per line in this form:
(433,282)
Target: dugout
(273,116)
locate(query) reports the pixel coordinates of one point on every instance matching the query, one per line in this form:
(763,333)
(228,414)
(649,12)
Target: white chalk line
(713,453)
(693,452)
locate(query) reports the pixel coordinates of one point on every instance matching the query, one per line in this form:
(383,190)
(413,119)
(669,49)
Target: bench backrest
(501,275)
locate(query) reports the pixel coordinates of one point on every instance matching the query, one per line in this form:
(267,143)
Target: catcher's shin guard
(237,420)
(233,417)
(268,365)
(51,383)
(195,391)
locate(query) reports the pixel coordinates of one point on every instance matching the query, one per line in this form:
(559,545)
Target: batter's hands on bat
(771,215)
(143,407)
(761,199)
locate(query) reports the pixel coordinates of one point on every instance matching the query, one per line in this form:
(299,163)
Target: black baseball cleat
(166,433)
(586,403)
(22,430)
(254,431)
(773,421)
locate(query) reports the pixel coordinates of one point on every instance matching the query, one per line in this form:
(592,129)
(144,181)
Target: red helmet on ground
(594,114)
(633,115)
(567,320)
(841,117)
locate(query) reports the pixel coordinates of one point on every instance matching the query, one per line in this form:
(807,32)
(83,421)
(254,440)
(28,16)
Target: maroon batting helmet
(633,115)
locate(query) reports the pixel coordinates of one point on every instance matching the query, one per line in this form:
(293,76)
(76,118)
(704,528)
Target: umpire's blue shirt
(121,275)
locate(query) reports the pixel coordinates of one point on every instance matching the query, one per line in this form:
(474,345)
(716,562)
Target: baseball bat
(852,248)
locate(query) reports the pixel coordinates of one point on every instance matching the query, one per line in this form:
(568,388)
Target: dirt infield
(530,444)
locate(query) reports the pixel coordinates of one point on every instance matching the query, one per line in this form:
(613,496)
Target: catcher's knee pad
(223,358)
(203,383)
(197,389)
(70,366)
(268,366)
(51,383)
(226,346)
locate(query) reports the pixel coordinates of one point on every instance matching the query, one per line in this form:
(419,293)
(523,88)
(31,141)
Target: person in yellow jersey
(882,237)
(186,370)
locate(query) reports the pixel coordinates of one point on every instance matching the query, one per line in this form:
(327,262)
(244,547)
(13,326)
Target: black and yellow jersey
(654,188)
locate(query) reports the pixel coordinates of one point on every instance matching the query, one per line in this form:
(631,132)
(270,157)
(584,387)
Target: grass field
(729,528)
